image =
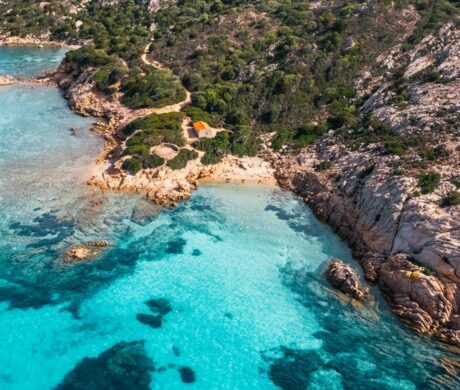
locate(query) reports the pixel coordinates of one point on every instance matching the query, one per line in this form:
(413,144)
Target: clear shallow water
(240,266)
(26,61)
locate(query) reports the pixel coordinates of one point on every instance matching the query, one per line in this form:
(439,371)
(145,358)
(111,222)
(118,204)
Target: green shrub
(215,148)
(428,182)
(161,123)
(132,165)
(87,56)
(433,154)
(106,79)
(299,137)
(197,114)
(153,161)
(395,147)
(155,129)
(137,150)
(182,158)
(452,199)
(324,165)
(456,182)
(157,88)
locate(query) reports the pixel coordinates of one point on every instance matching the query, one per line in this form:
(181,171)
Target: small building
(203,130)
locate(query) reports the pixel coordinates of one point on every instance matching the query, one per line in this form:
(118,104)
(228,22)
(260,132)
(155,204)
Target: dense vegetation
(148,132)
(182,158)
(157,88)
(284,66)
(253,66)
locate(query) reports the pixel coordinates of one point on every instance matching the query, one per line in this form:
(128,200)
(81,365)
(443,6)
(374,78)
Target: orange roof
(200,126)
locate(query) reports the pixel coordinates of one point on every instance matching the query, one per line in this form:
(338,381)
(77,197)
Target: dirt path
(177,107)
(173,107)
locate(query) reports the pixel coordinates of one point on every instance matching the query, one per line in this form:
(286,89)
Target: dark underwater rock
(293,370)
(196,252)
(187,375)
(124,366)
(160,305)
(150,320)
(176,247)
(176,351)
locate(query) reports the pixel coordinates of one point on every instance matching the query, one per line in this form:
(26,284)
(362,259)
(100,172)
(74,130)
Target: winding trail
(177,107)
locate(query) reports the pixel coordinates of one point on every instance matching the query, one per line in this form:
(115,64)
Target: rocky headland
(407,239)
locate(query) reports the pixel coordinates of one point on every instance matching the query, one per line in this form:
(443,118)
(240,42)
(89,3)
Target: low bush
(451,199)
(428,182)
(182,158)
(107,79)
(132,165)
(299,137)
(158,88)
(197,114)
(324,165)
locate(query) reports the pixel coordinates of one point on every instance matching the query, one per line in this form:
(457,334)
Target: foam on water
(241,267)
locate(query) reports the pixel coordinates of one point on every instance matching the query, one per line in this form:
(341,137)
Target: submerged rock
(187,375)
(124,366)
(150,320)
(293,370)
(344,278)
(160,305)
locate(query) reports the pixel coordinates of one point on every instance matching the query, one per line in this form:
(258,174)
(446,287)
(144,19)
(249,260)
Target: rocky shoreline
(8,40)
(407,240)
(408,245)
(7,80)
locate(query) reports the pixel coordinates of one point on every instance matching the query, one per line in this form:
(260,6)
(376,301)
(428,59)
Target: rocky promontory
(7,80)
(398,209)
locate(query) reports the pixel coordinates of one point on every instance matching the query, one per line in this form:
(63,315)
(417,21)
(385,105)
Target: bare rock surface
(7,80)
(344,278)
(378,214)
(85,251)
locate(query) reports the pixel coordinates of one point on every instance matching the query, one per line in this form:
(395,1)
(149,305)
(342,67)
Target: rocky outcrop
(7,80)
(85,99)
(152,5)
(429,99)
(85,251)
(343,277)
(420,300)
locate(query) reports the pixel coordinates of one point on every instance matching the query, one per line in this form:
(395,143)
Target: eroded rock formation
(343,277)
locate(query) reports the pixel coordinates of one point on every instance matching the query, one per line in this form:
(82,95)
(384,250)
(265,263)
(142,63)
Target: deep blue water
(225,291)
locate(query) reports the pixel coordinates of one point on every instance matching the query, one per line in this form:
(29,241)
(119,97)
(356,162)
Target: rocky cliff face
(387,225)
(408,243)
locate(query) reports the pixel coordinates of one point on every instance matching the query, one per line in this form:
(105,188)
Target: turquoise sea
(226,291)
(26,61)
